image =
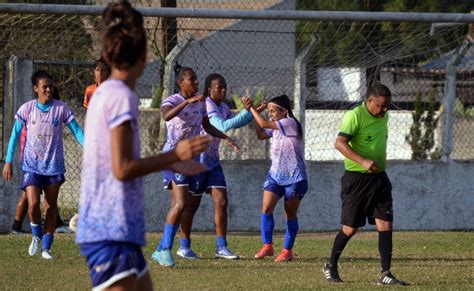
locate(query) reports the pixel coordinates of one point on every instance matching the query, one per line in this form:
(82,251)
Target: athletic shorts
(180,180)
(210,179)
(365,196)
(40,181)
(110,262)
(297,189)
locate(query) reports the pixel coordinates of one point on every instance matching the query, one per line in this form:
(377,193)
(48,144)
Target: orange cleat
(266,251)
(284,256)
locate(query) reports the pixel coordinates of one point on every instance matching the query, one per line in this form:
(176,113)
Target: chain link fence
(258,57)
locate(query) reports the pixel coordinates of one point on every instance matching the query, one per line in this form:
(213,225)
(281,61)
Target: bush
(257,99)
(421,136)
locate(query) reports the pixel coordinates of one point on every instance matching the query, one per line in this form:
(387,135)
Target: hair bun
(114,22)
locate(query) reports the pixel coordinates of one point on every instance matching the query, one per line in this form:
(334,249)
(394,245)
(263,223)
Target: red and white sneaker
(284,256)
(266,251)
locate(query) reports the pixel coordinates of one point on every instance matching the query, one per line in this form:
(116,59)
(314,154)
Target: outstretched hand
(247,101)
(262,106)
(232,144)
(188,168)
(186,149)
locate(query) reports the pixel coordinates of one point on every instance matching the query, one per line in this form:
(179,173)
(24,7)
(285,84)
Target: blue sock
(48,239)
(37,230)
(291,231)
(221,241)
(185,243)
(267,228)
(168,237)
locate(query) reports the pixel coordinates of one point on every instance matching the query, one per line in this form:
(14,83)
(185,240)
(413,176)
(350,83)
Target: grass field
(428,260)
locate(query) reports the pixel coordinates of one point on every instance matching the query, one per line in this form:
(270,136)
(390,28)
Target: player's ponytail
(284,102)
(124,37)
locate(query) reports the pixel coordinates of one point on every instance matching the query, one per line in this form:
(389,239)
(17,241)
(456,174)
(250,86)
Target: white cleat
(187,254)
(225,253)
(46,254)
(35,242)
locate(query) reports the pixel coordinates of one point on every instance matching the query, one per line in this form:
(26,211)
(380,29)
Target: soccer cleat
(266,251)
(35,242)
(164,258)
(187,254)
(331,273)
(46,254)
(387,278)
(63,229)
(225,253)
(284,256)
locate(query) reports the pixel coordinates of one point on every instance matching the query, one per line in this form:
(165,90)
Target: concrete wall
(427,196)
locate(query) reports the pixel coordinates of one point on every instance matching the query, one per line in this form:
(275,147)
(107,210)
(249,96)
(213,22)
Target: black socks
(385,249)
(17,225)
(339,244)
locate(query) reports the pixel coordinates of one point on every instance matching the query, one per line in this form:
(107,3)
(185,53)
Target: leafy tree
(342,43)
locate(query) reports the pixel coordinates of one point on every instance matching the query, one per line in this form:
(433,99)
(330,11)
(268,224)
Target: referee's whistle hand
(370,166)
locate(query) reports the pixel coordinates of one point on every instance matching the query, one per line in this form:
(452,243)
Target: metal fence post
(300,82)
(17,90)
(449,99)
(168,78)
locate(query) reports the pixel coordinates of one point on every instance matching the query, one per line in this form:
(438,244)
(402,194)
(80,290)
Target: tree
(358,44)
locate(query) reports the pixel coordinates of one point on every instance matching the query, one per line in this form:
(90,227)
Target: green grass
(428,260)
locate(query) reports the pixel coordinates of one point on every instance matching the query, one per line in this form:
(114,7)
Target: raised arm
(240,120)
(342,145)
(170,112)
(261,133)
(259,119)
(125,167)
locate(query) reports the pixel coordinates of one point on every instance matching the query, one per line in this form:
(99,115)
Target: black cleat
(331,273)
(387,278)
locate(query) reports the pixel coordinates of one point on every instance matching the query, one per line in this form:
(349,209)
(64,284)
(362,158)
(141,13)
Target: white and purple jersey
(287,153)
(43,153)
(110,209)
(186,124)
(211,156)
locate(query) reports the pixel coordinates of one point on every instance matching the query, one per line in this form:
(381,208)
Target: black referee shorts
(365,195)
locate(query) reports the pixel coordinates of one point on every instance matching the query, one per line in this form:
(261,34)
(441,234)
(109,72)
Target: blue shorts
(297,189)
(213,178)
(180,180)
(40,181)
(111,261)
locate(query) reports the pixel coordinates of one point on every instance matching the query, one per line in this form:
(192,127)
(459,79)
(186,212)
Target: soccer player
(213,180)
(111,225)
(185,115)
(366,190)
(101,73)
(22,204)
(43,157)
(287,175)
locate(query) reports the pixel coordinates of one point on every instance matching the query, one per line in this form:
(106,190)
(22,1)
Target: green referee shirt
(367,136)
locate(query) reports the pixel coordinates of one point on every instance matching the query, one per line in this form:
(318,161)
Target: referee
(366,191)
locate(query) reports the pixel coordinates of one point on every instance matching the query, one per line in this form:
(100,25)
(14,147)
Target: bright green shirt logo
(367,136)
